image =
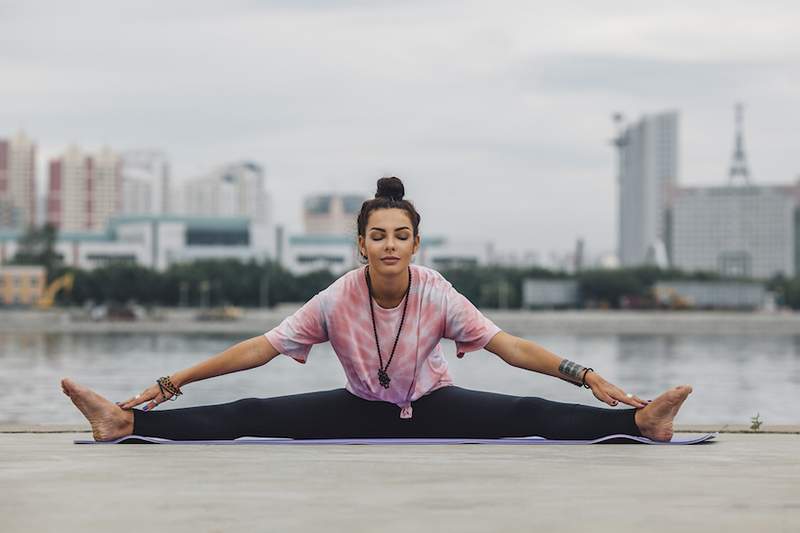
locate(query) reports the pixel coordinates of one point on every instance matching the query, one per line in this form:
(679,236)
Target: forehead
(389,219)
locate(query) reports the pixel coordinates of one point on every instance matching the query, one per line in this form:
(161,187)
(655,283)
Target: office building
(749,230)
(647,171)
(153,241)
(739,229)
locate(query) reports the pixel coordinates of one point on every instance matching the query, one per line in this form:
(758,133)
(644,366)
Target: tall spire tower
(739,170)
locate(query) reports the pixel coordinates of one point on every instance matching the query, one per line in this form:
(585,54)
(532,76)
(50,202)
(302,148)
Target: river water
(734,377)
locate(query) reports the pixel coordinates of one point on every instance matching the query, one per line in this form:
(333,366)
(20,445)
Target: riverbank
(735,483)
(255,321)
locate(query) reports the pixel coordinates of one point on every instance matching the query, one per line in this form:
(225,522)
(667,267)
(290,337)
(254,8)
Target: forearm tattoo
(571,369)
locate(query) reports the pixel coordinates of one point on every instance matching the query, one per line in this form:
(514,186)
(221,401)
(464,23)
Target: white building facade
(748,230)
(153,241)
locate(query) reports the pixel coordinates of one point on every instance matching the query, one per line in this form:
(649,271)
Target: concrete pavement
(739,482)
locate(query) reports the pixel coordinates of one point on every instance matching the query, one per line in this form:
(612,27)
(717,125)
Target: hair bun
(391,188)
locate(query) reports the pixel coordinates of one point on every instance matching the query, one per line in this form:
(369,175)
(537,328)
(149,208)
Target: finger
(629,399)
(605,398)
(126,404)
(130,402)
(641,402)
(619,395)
(635,401)
(155,401)
(137,400)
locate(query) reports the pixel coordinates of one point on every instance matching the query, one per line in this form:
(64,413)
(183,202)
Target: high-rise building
(84,191)
(145,183)
(648,171)
(233,190)
(17,181)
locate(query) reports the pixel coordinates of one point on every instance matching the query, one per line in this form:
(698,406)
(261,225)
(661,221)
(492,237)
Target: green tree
(37,247)
(609,286)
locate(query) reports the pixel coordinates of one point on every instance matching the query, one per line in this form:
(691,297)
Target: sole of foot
(107,419)
(655,420)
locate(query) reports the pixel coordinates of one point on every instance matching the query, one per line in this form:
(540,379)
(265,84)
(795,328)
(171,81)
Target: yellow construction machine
(48,297)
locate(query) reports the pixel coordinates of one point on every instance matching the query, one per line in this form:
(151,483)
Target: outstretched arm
(526,354)
(242,356)
(247,354)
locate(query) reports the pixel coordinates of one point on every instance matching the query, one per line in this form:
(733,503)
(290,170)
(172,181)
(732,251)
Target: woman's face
(389,234)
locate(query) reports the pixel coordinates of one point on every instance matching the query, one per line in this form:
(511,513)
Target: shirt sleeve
(465,324)
(297,333)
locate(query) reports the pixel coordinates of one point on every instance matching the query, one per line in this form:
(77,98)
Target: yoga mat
(610,439)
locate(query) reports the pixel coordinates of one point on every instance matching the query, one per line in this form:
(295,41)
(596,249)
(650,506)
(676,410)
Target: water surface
(734,377)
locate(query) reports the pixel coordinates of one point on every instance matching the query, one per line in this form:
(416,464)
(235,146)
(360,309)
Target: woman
(384,322)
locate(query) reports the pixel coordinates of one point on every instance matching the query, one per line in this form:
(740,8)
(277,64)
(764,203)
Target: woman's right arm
(247,354)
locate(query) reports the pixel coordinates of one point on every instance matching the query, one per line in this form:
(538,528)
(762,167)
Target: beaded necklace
(383,377)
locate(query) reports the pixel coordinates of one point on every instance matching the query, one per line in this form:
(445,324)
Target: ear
(416,244)
(361,248)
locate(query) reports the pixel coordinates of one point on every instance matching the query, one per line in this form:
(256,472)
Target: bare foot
(655,420)
(108,420)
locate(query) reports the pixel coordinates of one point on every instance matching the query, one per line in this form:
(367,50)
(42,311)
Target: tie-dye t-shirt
(340,314)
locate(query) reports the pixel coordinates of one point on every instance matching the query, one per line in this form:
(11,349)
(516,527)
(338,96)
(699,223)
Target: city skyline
(508,108)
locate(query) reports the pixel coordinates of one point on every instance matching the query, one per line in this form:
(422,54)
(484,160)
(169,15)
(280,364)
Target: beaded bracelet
(165,383)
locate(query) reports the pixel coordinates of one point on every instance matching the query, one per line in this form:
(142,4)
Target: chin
(380,266)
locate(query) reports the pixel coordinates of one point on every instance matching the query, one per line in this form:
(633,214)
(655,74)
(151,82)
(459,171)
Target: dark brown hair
(389,195)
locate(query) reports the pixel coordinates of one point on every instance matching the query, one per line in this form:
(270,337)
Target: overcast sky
(495,114)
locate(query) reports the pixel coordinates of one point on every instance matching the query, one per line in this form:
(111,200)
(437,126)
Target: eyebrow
(383,230)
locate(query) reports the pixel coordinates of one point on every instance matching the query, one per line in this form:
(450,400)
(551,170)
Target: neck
(388,289)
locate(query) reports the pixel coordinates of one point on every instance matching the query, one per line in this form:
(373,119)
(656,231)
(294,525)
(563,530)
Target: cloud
(498,116)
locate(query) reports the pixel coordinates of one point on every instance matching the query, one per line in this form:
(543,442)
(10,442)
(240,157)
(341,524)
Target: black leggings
(449,412)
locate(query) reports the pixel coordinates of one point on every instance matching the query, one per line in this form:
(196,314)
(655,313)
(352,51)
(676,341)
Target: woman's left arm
(526,354)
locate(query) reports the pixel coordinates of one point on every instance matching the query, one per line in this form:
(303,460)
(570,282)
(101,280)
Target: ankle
(638,419)
(127,422)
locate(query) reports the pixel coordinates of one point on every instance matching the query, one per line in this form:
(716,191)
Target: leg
(447,412)
(456,412)
(324,414)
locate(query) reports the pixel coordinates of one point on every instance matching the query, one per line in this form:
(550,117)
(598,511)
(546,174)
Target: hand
(151,394)
(610,393)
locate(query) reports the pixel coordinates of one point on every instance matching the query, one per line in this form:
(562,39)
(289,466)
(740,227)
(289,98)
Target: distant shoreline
(256,321)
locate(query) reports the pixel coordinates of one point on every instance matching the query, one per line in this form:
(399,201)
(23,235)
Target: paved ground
(741,482)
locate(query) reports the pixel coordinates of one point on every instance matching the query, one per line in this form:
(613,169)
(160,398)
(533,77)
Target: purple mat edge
(398,441)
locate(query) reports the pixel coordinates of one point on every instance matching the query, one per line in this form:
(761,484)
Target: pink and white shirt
(340,314)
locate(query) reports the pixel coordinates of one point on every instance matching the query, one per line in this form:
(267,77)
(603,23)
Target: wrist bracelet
(583,380)
(165,383)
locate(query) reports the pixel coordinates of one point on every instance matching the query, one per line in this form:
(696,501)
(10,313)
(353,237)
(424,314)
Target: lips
(390,260)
